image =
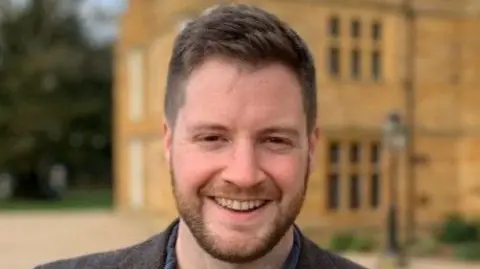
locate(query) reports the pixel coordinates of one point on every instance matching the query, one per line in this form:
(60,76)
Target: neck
(191,256)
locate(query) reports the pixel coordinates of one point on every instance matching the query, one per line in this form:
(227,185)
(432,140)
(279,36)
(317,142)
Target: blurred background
(56,96)
(397,183)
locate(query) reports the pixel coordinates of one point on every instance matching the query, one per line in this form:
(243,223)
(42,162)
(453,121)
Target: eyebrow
(205,126)
(289,131)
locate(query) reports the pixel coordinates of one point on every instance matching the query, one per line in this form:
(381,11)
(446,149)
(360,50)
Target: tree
(54,89)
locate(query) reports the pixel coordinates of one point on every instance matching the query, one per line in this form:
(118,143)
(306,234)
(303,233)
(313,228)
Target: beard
(247,248)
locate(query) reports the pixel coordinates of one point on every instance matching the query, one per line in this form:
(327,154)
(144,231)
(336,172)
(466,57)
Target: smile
(240,205)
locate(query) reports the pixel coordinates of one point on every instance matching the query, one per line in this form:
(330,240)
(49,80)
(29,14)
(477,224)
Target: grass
(73,200)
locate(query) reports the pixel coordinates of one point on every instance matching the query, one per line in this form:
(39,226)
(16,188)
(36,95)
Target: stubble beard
(190,211)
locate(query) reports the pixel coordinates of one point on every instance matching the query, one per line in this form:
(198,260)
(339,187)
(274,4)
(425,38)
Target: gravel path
(27,239)
(30,238)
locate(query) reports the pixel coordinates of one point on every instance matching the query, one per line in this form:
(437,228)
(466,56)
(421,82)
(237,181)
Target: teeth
(239,205)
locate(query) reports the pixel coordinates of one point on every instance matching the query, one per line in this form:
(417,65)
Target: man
(240,113)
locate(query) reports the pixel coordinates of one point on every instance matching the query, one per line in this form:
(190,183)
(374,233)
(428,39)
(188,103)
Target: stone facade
(359,48)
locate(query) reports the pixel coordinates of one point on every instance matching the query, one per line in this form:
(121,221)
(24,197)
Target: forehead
(229,93)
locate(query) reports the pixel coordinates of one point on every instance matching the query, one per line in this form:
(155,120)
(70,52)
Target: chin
(236,248)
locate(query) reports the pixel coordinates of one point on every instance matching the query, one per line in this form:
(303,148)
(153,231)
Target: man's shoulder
(90,261)
(129,257)
(317,257)
(147,254)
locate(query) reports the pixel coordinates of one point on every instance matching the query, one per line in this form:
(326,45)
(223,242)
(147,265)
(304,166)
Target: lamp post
(410,117)
(395,142)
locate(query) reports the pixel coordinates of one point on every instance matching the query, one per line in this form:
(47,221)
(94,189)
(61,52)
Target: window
(155,60)
(354,152)
(334,26)
(376,54)
(355,190)
(375,152)
(135,85)
(355,63)
(333,52)
(354,176)
(355,29)
(376,31)
(137,174)
(333,188)
(334,153)
(376,65)
(334,61)
(356,54)
(375,190)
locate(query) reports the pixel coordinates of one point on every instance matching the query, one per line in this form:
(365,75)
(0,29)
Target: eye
(213,138)
(278,140)
(210,140)
(278,144)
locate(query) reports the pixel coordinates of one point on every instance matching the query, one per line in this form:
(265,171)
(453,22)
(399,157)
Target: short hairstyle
(246,34)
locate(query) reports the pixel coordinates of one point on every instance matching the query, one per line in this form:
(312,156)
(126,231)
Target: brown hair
(246,34)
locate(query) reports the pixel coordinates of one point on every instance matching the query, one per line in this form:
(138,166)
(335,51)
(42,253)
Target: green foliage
(425,246)
(476,223)
(467,251)
(363,244)
(55,91)
(349,241)
(456,230)
(342,241)
(86,199)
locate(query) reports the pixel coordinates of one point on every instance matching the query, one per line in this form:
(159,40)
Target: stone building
(360,52)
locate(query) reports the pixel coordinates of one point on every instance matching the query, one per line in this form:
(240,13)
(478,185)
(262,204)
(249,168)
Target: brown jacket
(151,255)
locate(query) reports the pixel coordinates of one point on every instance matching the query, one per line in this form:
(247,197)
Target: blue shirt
(290,263)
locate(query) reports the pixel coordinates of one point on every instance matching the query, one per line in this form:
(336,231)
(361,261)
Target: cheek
(191,169)
(287,171)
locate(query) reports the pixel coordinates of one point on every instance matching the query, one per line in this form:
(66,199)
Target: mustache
(224,189)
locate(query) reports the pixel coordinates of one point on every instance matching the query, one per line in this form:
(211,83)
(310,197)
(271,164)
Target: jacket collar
(153,253)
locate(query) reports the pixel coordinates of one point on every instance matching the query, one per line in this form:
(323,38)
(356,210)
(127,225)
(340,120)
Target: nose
(242,167)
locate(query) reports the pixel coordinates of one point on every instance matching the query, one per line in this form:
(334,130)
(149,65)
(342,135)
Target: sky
(117,5)
(102,31)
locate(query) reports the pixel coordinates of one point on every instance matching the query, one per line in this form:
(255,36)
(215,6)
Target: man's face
(239,156)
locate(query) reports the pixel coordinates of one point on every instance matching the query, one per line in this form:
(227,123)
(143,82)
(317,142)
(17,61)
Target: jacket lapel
(150,254)
(312,257)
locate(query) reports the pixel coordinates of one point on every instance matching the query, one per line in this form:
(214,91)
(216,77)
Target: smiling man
(240,113)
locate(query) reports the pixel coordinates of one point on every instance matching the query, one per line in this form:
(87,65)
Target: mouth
(240,206)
